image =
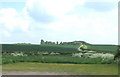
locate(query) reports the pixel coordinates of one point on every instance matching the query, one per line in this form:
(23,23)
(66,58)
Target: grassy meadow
(69,69)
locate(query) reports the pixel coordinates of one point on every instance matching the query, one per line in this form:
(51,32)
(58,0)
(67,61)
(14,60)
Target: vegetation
(57,58)
(51,52)
(105,48)
(10,48)
(61,43)
(70,69)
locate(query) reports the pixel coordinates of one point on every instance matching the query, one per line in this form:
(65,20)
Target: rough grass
(71,69)
(55,59)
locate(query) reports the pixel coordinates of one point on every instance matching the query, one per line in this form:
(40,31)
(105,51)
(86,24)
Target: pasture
(59,69)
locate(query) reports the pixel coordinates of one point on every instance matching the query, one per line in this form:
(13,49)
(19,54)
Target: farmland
(64,58)
(49,52)
(9,48)
(105,48)
(61,48)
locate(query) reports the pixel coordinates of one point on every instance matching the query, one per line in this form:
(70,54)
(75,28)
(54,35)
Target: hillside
(63,47)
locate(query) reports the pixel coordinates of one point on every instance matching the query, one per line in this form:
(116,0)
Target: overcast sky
(30,21)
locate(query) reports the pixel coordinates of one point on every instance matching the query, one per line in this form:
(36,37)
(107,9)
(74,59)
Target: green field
(30,59)
(71,69)
(10,48)
(37,53)
(104,48)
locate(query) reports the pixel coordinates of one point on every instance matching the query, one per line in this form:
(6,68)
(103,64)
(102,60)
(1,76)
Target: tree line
(42,42)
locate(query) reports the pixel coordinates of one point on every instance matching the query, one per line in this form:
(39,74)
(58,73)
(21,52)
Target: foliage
(61,69)
(62,43)
(24,43)
(55,53)
(54,59)
(105,58)
(103,48)
(10,48)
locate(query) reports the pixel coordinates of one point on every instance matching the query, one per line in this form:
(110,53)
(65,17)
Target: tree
(57,43)
(42,41)
(117,55)
(24,43)
(61,43)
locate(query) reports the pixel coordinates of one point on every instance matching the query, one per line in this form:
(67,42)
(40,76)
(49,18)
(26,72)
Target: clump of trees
(61,43)
(23,43)
(47,42)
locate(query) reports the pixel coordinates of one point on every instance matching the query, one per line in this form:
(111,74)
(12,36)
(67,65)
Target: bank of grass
(72,69)
(55,59)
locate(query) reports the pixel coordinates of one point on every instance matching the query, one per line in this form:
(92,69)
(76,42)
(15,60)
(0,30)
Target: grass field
(57,69)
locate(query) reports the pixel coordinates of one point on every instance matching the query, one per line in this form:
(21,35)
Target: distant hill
(58,47)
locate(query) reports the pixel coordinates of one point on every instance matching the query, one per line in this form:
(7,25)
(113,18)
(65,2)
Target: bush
(55,59)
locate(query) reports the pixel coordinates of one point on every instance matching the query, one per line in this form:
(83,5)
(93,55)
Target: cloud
(78,22)
(64,20)
(11,19)
(15,26)
(11,24)
(46,11)
(100,6)
(7,18)
(89,27)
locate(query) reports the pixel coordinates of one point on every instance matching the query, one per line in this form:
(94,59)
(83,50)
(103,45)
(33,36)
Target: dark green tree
(61,43)
(42,42)
(57,43)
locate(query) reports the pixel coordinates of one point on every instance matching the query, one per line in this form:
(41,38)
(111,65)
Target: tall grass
(55,59)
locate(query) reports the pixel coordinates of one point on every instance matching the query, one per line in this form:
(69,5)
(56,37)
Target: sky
(29,21)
